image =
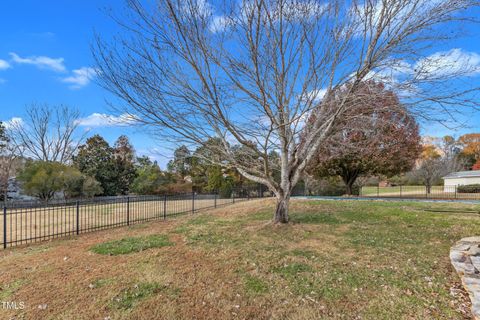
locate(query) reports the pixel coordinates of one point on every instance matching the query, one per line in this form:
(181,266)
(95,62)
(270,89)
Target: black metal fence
(423,192)
(26,221)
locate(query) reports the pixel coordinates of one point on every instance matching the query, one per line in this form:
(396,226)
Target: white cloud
(293,10)
(15,122)
(4,65)
(197,8)
(81,77)
(371,12)
(299,9)
(317,95)
(107,120)
(454,62)
(43,62)
(219,24)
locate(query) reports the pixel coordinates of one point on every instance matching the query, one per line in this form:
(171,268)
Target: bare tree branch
(250,73)
(49,133)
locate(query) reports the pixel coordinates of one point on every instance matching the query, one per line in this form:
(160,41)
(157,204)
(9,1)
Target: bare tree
(10,155)
(251,72)
(430,172)
(48,133)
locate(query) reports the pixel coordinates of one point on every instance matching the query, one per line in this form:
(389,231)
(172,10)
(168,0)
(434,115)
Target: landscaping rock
(465,258)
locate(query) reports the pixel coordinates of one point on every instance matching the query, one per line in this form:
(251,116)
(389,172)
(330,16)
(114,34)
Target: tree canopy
(384,140)
(44,179)
(124,156)
(150,179)
(95,158)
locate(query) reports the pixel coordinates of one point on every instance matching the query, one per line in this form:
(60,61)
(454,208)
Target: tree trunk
(281,212)
(349,178)
(349,188)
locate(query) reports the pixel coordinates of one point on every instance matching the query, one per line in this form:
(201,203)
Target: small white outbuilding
(460,178)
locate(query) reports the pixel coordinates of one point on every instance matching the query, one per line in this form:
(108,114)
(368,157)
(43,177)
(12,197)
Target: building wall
(451,182)
(15,192)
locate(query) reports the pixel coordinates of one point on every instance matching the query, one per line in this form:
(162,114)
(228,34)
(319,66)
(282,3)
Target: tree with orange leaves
(471,144)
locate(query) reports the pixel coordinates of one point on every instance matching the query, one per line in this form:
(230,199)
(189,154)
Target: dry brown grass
(336,260)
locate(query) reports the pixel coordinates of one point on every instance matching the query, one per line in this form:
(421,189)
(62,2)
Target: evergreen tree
(181,163)
(96,159)
(124,155)
(150,179)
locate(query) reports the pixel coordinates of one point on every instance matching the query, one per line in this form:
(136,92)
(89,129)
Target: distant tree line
(45,153)
(47,156)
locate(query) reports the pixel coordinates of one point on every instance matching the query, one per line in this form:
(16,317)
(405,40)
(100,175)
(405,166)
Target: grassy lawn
(336,260)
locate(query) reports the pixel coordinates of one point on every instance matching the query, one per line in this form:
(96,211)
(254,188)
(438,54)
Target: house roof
(463,174)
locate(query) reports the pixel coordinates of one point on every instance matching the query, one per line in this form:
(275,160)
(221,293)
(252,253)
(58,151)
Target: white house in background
(15,191)
(460,178)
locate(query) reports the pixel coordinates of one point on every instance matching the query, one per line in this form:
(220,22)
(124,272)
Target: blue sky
(45,49)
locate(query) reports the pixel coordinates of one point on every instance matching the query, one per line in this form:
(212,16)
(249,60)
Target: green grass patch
(130,245)
(255,285)
(314,218)
(293,269)
(131,296)
(99,283)
(7,290)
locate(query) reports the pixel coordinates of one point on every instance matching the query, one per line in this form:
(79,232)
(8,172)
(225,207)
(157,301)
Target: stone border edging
(465,258)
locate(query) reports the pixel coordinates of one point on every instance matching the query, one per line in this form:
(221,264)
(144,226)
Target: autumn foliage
(378,136)
(471,144)
(476,166)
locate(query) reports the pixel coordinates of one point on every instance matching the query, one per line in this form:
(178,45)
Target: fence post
(455,191)
(400,191)
(4,227)
(165,207)
(78,217)
(193,201)
(128,211)
(233,196)
(378,191)
(215,200)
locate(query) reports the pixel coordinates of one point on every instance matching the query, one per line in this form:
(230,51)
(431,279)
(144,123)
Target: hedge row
(471,188)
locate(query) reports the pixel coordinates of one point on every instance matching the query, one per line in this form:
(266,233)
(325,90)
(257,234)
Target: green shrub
(44,179)
(471,188)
